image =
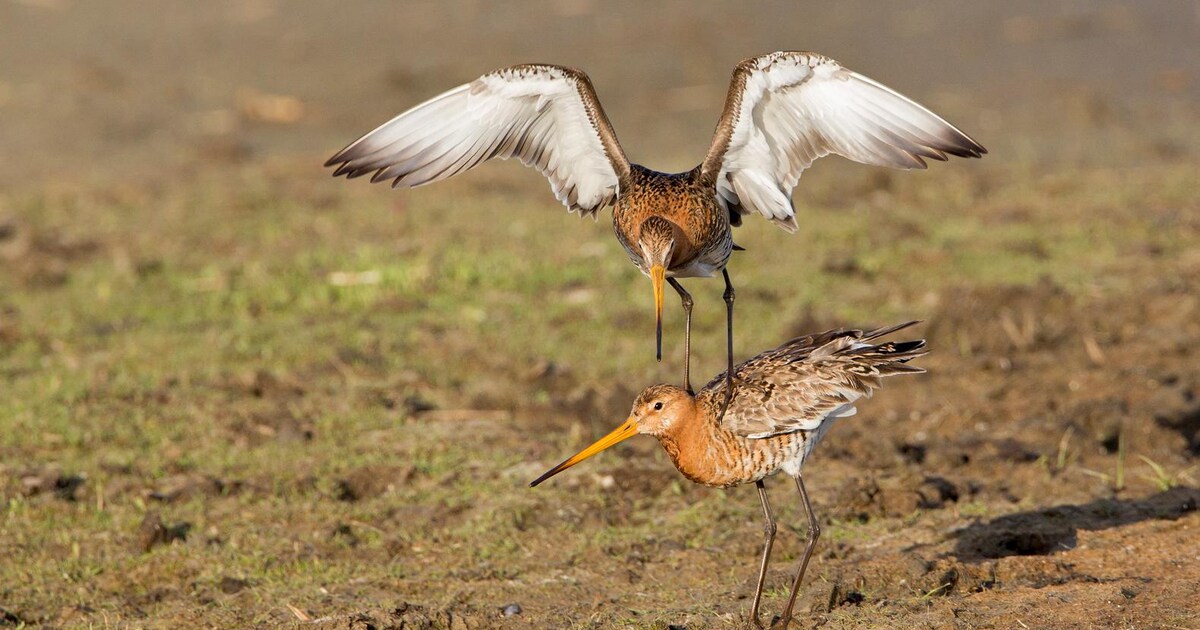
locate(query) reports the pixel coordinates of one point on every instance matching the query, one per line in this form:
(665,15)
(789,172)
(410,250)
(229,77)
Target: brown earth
(254,454)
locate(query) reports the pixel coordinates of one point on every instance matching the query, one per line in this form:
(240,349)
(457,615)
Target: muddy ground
(237,393)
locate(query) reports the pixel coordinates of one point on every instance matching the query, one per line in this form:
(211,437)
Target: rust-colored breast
(709,455)
(703,231)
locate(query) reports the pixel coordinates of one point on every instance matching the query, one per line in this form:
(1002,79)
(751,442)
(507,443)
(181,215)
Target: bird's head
(656,238)
(655,412)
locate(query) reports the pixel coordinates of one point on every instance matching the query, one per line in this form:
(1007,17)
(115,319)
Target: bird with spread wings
(783,111)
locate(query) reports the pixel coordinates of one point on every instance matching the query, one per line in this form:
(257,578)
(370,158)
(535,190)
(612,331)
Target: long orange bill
(658,274)
(622,433)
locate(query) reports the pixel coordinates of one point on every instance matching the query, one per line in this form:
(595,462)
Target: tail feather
(890,357)
(802,384)
(887,330)
(892,369)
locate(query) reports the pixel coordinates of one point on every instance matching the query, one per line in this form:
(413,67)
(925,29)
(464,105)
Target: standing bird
(783,111)
(783,402)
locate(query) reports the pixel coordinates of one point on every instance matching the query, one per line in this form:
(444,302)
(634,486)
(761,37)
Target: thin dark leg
(729,295)
(687,333)
(814,532)
(769,530)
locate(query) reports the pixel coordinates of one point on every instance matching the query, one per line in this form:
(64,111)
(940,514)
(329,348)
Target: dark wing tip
(964,146)
(348,156)
(900,347)
(345,156)
(895,351)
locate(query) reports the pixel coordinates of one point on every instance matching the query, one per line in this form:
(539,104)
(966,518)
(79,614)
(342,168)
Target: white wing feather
(787,109)
(546,116)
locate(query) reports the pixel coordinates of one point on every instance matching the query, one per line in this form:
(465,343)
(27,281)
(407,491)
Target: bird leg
(769,530)
(729,295)
(687,333)
(814,532)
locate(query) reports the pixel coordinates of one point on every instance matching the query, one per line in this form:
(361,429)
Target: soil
(1043,474)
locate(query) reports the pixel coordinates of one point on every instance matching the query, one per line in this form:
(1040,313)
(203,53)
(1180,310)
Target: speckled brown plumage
(783,402)
(703,240)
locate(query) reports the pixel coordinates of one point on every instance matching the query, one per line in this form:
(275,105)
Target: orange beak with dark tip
(622,433)
(658,275)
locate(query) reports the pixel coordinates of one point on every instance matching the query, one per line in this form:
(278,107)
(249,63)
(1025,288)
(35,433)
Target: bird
(783,110)
(783,402)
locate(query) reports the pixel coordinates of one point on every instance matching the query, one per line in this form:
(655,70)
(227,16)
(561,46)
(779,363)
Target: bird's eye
(658,406)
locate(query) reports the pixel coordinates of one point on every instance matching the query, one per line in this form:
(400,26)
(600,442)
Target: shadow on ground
(1044,531)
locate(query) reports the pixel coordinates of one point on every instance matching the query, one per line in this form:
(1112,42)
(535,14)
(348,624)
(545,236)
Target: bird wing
(786,109)
(804,382)
(546,116)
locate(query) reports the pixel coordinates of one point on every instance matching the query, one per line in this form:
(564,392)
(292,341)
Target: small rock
(66,487)
(913,453)
(511,610)
(935,491)
(153,532)
(839,596)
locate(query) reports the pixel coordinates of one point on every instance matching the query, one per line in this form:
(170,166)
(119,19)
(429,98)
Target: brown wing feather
(604,128)
(723,134)
(795,386)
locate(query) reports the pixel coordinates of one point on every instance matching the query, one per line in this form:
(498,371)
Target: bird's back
(786,398)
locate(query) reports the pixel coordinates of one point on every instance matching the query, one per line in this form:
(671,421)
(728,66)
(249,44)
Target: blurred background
(148,90)
(235,391)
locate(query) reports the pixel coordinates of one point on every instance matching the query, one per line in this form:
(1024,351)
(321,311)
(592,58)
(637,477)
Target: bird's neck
(693,445)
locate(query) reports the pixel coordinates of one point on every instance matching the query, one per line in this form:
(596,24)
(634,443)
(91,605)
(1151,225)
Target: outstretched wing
(546,116)
(807,380)
(786,109)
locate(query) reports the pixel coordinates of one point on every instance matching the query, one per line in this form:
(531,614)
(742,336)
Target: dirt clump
(52,480)
(368,482)
(153,532)
(408,616)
